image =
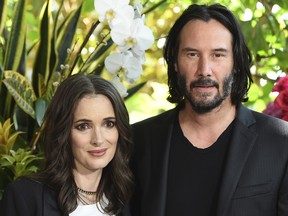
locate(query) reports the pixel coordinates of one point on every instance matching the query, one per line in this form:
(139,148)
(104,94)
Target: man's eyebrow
(187,49)
(220,50)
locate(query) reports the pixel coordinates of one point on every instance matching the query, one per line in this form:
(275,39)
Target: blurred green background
(44,41)
(264,24)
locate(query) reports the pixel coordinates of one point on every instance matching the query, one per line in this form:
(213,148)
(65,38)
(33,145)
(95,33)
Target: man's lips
(203,86)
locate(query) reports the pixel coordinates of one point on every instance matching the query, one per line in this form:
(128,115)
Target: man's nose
(204,67)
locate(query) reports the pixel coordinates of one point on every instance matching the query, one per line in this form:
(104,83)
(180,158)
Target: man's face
(205,64)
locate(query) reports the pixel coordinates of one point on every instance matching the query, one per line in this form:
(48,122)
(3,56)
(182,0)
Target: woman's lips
(98,152)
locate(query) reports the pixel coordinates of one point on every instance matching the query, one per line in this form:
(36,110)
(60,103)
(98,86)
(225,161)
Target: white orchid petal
(119,86)
(101,6)
(120,33)
(114,62)
(128,53)
(137,10)
(114,11)
(144,38)
(129,32)
(133,68)
(123,15)
(140,55)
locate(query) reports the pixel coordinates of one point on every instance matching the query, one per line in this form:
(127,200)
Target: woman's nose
(97,137)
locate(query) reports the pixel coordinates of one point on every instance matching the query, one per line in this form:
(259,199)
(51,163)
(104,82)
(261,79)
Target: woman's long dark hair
(242,55)
(117,180)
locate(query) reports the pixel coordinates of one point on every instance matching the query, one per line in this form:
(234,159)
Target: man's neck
(202,130)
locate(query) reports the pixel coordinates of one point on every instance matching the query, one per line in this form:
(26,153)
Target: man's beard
(204,105)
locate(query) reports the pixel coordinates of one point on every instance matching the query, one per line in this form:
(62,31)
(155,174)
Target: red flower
(285,117)
(282,84)
(281,101)
(279,108)
(272,110)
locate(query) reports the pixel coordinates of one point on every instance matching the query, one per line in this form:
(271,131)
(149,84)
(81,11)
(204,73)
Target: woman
(87,144)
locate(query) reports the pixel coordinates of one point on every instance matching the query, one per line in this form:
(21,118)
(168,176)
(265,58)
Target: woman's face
(94,134)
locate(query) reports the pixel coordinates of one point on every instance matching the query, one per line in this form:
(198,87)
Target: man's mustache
(204,82)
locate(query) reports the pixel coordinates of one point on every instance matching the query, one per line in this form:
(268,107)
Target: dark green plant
(14,163)
(17,163)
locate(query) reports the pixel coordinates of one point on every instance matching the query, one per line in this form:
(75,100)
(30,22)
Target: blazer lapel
(50,207)
(242,142)
(160,148)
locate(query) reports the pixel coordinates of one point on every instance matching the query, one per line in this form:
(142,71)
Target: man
(210,155)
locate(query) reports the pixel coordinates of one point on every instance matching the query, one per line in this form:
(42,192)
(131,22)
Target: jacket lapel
(242,142)
(49,198)
(160,149)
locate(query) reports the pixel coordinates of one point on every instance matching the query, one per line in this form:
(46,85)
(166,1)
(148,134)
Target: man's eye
(193,54)
(217,55)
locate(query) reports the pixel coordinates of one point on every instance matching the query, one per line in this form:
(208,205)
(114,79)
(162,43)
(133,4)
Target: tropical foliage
(43,42)
(32,68)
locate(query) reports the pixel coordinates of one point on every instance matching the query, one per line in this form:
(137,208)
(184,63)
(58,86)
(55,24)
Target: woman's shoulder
(27,196)
(29,187)
(25,184)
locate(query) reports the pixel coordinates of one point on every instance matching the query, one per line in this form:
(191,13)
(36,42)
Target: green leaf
(3,149)
(8,158)
(19,162)
(16,38)
(3,13)
(41,64)
(66,36)
(86,39)
(97,58)
(134,89)
(102,50)
(21,90)
(53,54)
(11,140)
(40,109)
(6,128)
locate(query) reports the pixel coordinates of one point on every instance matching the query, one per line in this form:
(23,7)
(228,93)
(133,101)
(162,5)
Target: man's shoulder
(163,117)
(262,123)
(271,121)
(252,116)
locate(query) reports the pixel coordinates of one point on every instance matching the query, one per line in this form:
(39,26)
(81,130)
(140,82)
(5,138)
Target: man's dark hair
(242,56)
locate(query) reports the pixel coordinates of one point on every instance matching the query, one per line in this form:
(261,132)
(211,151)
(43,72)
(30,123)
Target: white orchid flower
(140,55)
(119,86)
(135,36)
(138,10)
(124,62)
(114,11)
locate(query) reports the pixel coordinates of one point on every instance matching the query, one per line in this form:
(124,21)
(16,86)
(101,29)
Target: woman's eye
(82,127)
(110,124)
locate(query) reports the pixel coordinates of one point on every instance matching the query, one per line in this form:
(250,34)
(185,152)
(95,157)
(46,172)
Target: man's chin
(205,106)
